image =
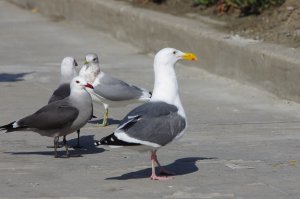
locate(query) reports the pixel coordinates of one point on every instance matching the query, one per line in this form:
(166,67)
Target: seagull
(68,72)
(158,122)
(108,90)
(61,117)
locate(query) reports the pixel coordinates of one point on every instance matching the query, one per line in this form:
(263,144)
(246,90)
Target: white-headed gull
(108,90)
(159,121)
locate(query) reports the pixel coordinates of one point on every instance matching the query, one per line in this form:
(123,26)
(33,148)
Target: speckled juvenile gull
(61,117)
(159,121)
(67,73)
(108,90)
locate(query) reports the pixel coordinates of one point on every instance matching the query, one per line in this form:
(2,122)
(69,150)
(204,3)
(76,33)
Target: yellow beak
(189,57)
(85,62)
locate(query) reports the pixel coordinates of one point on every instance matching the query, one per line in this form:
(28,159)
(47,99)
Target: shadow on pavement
(181,166)
(110,121)
(13,77)
(87,143)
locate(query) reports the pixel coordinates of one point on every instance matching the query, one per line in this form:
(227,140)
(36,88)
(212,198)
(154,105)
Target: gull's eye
(174,52)
(77,82)
(95,59)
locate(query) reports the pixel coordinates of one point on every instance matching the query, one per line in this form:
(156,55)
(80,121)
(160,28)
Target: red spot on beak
(89,86)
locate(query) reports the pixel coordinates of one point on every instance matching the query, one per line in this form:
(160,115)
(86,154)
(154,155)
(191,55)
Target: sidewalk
(271,67)
(241,142)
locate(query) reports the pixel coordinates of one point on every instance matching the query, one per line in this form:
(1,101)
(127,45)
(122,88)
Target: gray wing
(116,90)
(56,115)
(60,93)
(157,123)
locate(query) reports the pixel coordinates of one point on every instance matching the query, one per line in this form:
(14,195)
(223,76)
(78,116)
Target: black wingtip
(113,141)
(97,143)
(7,127)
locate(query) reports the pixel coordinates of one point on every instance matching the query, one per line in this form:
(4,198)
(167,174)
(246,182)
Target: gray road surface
(241,142)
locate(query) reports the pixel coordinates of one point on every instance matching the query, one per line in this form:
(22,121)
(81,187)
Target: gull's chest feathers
(90,73)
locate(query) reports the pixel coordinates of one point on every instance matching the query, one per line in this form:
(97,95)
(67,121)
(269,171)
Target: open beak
(189,57)
(85,62)
(75,62)
(89,86)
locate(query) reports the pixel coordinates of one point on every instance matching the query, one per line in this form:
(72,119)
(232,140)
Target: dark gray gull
(160,121)
(61,117)
(108,90)
(67,73)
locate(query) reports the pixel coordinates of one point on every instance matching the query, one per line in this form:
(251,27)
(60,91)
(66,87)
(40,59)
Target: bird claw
(102,125)
(155,177)
(104,122)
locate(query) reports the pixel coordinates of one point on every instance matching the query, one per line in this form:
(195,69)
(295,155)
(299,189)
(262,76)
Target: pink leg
(154,176)
(162,171)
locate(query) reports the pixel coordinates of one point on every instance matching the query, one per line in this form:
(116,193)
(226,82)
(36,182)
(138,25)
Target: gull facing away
(159,121)
(108,90)
(61,117)
(67,72)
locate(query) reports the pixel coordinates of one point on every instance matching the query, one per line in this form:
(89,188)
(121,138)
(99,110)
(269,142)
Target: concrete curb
(271,67)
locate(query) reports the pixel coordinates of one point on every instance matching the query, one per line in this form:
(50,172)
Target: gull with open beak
(61,117)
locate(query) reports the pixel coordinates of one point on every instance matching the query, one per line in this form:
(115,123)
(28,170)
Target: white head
(169,56)
(91,68)
(166,86)
(91,58)
(79,84)
(67,69)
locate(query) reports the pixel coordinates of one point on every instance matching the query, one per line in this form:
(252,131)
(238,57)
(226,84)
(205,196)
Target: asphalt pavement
(241,142)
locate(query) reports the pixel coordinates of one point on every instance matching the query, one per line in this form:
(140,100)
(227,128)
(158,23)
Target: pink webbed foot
(155,177)
(162,170)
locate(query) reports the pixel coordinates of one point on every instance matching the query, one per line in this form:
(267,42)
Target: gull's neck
(78,94)
(67,75)
(166,87)
(89,73)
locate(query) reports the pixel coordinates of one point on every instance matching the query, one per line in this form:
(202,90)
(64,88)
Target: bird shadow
(87,143)
(180,166)
(87,146)
(110,121)
(13,77)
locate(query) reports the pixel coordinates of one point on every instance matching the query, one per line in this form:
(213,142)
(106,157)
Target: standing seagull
(161,120)
(108,90)
(67,72)
(61,117)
